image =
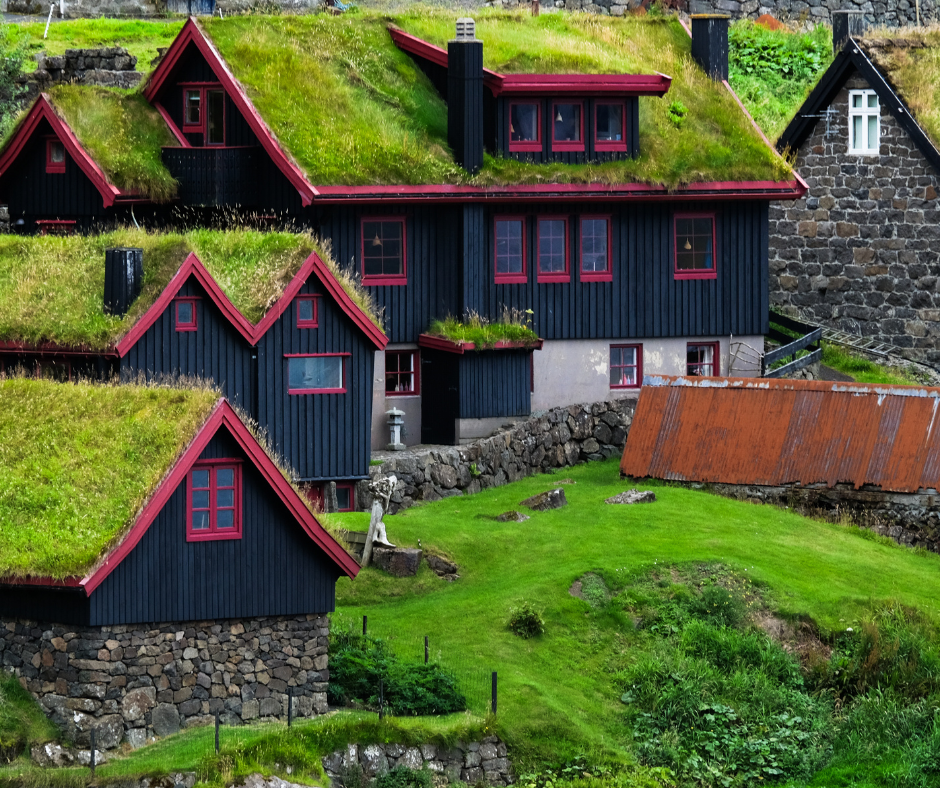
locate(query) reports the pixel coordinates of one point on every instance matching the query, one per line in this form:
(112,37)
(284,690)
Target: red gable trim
(43,108)
(314,265)
(193,34)
(440,343)
(52,349)
(191,267)
(180,137)
(223,415)
(46,582)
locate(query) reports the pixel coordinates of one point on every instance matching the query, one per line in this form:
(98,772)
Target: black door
(440,402)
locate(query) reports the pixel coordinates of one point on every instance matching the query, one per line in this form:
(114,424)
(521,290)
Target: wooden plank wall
(495,383)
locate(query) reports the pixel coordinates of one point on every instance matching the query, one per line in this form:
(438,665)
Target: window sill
(553,278)
(696,274)
(610,147)
(316,391)
(380,281)
(307,324)
(511,279)
(632,387)
(598,276)
(55,169)
(212,536)
(525,147)
(567,147)
(402,393)
(181,329)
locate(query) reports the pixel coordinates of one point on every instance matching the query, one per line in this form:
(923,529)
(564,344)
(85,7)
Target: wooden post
(217,733)
(290,706)
(381,699)
(374,520)
(425,649)
(365,625)
(493,702)
(535,7)
(94,746)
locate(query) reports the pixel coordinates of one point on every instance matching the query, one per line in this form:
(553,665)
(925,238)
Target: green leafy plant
(676,113)
(525,621)
(403,777)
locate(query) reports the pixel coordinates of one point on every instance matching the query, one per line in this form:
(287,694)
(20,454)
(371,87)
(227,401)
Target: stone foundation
(128,682)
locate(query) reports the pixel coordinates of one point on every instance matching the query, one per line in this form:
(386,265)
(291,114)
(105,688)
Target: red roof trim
(223,415)
(180,137)
(53,350)
(46,582)
(42,108)
(440,343)
(191,267)
(314,265)
(193,34)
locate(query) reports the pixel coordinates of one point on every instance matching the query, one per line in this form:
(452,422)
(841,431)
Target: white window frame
(864,112)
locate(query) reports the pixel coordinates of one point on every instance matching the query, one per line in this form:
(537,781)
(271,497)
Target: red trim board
(439,343)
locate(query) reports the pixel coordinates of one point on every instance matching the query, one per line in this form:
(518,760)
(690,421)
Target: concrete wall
(411,405)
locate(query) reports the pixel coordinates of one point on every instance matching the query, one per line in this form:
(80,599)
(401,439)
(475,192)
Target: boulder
(512,516)
(109,731)
(51,754)
(138,702)
(551,499)
(398,561)
(373,760)
(441,566)
(165,719)
(84,757)
(633,496)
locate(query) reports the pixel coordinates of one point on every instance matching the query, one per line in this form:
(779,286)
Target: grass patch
(513,326)
(773,71)
(863,370)
(22,722)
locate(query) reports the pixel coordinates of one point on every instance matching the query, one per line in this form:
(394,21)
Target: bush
(403,777)
(525,621)
(718,605)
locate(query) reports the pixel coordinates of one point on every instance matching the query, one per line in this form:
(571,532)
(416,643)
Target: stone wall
(553,439)
(859,252)
(132,682)
(890,13)
(112,67)
(93,9)
(473,763)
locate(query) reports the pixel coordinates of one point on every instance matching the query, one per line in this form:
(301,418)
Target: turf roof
(77,463)
(51,288)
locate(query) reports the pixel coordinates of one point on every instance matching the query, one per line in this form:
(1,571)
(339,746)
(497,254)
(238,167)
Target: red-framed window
(308,311)
(695,247)
(596,253)
(55,155)
(626,366)
(345,496)
(568,126)
(185,315)
(610,126)
(525,126)
(552,249)
(55,226)
(384,246)
(702,359)
(510,262)
(316,373)
(402,376)
(204,112)
(214,501)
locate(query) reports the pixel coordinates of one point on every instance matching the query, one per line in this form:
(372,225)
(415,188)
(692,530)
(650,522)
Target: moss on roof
(51,288)
(77,463)
(352,109)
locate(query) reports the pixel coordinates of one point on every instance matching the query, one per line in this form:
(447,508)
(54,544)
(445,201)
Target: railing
(214,176)
(808,340)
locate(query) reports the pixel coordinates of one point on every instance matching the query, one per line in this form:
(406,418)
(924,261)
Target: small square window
(626,366)
(510,250)
(553,250)
(383,252)
(567,127)
(864,122)
(525,127)
(308,311)
(55,156)
(610,131)
(214,498)
(192,108)
(595,249)
(316,374)
(345,500)
(702,360)
(401,372)
(695,246)
(186,314)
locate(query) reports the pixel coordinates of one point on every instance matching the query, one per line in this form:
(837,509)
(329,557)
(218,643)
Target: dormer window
(864,122)
(55,156)
(185,309)
(307,311)
(192,109)
(204,113)
(610,133)
(568,127)
(525,127)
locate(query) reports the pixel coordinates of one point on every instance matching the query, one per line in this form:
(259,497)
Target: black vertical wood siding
(61,606)
(274,569)
(494,383)
(433,263)
(215,350)
(322,436)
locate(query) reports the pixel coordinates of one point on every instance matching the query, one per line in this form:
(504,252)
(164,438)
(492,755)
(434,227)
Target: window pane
(567,122)
(694,244)
(184,312)
(856,100)
(700,360)
(509,247)
(200,499)
(192,107)
(382,248)
(225,477)
(552,246)
(57,152)
(318,372)
(343,498)
(399,372)
(872,100)
(201,479)
(609,123)
(594,245)
(623,366)
(225,518)
(201,521)
(872,132)
(524,123)
(225,499)
(857,128)
(215,117)
(305,310)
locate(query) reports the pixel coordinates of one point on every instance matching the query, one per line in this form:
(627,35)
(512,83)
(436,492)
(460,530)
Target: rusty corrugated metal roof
(775,432)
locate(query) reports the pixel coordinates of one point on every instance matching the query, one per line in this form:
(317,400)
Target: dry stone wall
(553,439)
(130,683)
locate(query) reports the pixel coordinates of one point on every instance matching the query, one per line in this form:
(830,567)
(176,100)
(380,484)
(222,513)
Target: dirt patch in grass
(800,639)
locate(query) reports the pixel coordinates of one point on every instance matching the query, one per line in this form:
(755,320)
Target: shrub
(718,605)
(525,621)
(403,777)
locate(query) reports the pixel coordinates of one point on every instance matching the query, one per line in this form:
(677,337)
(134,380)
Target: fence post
(381,699)
(425,649)
(493,705)
(290,706)
(365,625)
(217,733)
(94,746)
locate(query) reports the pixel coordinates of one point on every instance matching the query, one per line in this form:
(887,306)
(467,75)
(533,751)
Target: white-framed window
(864,123)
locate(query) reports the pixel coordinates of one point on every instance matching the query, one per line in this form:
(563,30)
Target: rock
(633,496)
(398,561)
(512,516)
(551,499)
(137,738)
(166,719)
(138,702)
(412,759)
(51,755)
(84,757)
(373,760)
(109,731)
(441,566)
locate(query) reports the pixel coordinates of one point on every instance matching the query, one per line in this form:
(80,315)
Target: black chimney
(845,25)
(123,278)
(710,43)
(465,96)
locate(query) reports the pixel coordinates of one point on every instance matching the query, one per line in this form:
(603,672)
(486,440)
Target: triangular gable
(43,109)
(192,266)
(316,267)
(852,58)
(192,34)
(222,416)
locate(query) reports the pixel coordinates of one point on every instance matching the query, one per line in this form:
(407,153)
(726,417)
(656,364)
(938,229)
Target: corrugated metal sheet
(776,432)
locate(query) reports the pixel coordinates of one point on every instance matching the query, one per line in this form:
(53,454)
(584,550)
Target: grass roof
(51,288)
(77,463)
(353,109)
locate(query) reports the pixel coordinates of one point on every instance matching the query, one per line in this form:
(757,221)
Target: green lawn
(863,370)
